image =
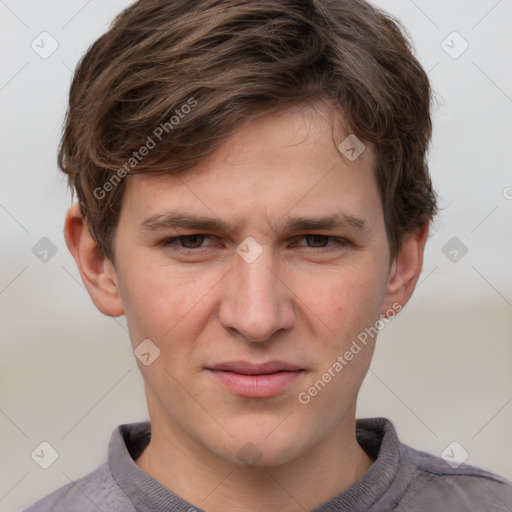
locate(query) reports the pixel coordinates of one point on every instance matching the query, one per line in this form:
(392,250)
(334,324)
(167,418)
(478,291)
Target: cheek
(164,303)
(344,300)
(344,305)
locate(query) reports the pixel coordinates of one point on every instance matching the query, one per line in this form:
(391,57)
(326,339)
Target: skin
(303,300)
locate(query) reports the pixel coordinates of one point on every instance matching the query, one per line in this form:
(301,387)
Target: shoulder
(462,487)
(95,491)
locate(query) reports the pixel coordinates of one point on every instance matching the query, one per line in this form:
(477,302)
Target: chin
(258,456)
(266,446)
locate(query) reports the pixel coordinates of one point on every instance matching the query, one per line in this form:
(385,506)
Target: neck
(215,484)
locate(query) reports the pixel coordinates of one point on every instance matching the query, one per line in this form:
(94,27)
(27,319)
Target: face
(251,276)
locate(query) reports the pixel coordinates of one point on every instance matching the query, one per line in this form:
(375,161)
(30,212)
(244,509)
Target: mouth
(256,380)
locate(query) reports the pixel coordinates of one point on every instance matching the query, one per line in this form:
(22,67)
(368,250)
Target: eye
(191,241)
(197,243)
(316,240)
(322,241)
(185,241)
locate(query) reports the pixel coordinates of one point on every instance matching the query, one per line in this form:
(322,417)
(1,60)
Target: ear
(405,269)
(98,273)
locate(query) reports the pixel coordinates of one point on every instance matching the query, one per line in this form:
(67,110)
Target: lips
(256,380)
(247,368)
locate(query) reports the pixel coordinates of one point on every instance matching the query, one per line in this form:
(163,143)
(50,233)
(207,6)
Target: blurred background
(442,368)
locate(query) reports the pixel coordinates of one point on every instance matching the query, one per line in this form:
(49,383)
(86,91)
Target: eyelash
(170,243)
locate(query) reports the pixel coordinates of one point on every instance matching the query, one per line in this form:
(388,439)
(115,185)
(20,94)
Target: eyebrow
(181,220)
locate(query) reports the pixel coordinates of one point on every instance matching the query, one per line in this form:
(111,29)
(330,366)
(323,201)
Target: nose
(256,302)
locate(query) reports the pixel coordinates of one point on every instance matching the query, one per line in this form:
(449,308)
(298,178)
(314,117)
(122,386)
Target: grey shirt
(400,479)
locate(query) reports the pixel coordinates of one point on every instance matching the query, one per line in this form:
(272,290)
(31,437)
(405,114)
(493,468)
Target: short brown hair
(229,62)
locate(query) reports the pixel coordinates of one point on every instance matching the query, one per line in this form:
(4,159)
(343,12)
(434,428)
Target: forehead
(284,163)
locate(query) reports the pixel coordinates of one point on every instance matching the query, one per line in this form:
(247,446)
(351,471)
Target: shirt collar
(383,484)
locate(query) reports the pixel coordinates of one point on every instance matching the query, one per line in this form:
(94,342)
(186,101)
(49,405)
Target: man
(253,195)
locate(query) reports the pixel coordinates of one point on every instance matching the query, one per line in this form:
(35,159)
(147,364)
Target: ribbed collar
(381,487)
